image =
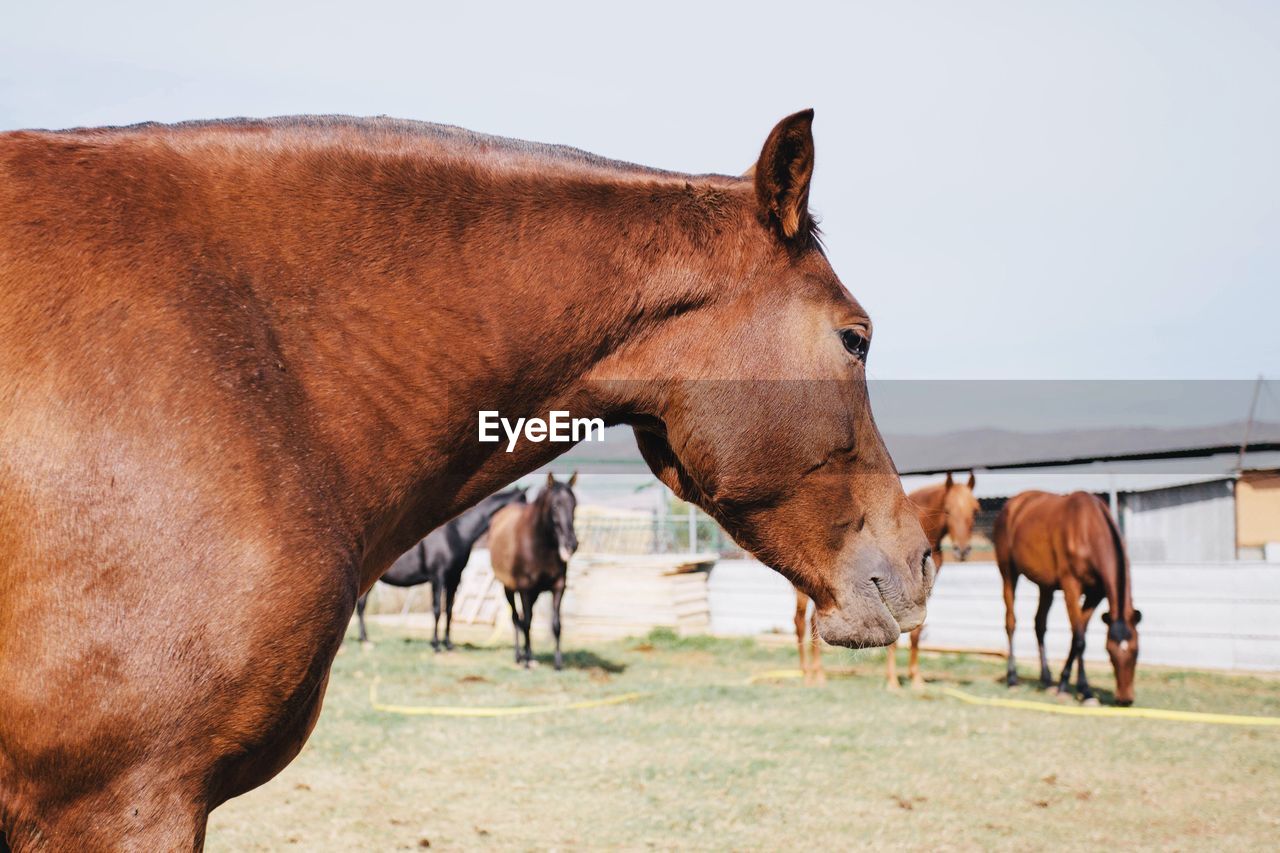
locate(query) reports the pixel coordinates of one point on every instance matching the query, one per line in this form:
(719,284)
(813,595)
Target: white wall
(1223,615)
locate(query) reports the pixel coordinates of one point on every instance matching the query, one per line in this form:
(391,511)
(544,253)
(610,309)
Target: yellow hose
(1108,711)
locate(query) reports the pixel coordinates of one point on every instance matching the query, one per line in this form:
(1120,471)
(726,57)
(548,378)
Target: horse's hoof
(531,664)
(917,683)
(820,680)
(1011,681)
(1064,696)
(893,686)
(1091,702)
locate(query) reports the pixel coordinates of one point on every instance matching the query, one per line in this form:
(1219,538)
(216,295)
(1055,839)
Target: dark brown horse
(945,509)
(240,369)
(529,547)
(1070,542)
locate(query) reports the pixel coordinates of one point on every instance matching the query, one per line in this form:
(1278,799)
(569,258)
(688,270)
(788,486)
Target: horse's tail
(1119,630)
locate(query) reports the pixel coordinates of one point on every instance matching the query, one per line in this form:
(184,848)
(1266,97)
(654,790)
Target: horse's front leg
(1082,683)
(527,600)
(437,600)
(450,591)
(557,594)
(913,660)
(1071,596)
(360,605)
(515,621)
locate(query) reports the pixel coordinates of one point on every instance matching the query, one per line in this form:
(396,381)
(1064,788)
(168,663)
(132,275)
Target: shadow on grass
(581,659)
(1032,686)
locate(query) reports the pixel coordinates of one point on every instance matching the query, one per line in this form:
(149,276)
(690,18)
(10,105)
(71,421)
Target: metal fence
(1221,615)
(605,534)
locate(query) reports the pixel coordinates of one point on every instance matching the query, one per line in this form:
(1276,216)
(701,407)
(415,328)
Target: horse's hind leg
(515,622)
(1010,623)
(1042,625)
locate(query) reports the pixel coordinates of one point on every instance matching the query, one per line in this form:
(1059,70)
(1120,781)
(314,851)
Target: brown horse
(529,548)
(944,509)
(241,365)
(1070,542)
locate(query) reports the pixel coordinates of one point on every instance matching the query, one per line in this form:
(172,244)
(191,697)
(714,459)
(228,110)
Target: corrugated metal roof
(1128,476)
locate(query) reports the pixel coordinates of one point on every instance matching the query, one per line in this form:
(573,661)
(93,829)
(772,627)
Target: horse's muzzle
(877,603)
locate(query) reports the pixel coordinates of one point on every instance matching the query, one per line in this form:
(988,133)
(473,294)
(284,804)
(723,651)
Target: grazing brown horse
(1070,542)
(241,365)
(529,547)
(944,509)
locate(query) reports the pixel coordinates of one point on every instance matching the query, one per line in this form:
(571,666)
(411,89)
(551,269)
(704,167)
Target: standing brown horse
(241,365)
(529,547)
(1070,542)
(944,509)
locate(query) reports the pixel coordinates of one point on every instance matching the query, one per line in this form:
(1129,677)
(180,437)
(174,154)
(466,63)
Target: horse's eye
(856,343)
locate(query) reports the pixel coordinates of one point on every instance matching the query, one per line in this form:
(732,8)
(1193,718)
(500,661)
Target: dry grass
(707,761)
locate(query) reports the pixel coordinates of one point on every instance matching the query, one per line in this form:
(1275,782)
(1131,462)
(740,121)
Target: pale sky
(1012,189)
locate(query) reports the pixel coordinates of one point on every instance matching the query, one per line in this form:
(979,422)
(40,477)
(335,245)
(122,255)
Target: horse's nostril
(924,565)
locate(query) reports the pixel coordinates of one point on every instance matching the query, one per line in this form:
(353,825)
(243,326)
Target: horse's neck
(933,515)
(411,338)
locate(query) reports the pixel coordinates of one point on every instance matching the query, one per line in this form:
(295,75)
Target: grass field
(707,761)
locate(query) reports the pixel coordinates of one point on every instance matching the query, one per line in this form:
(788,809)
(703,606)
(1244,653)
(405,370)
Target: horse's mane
(446,138)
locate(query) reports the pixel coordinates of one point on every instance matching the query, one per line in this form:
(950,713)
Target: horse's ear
(782,177)
(950,482)
(972,481)
(573,479)
(1106,618)
(551,479)
(1137,616)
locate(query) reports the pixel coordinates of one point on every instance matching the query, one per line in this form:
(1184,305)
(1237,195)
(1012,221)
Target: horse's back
(1043,536)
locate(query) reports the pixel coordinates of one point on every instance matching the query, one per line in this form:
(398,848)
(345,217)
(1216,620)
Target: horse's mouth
(565,554)
(914,618)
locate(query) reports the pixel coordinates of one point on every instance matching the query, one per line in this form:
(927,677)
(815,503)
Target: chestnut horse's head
(961,507)
(1122,647)
(763,418)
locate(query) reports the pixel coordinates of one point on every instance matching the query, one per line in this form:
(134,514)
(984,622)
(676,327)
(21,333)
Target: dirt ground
(706,760)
